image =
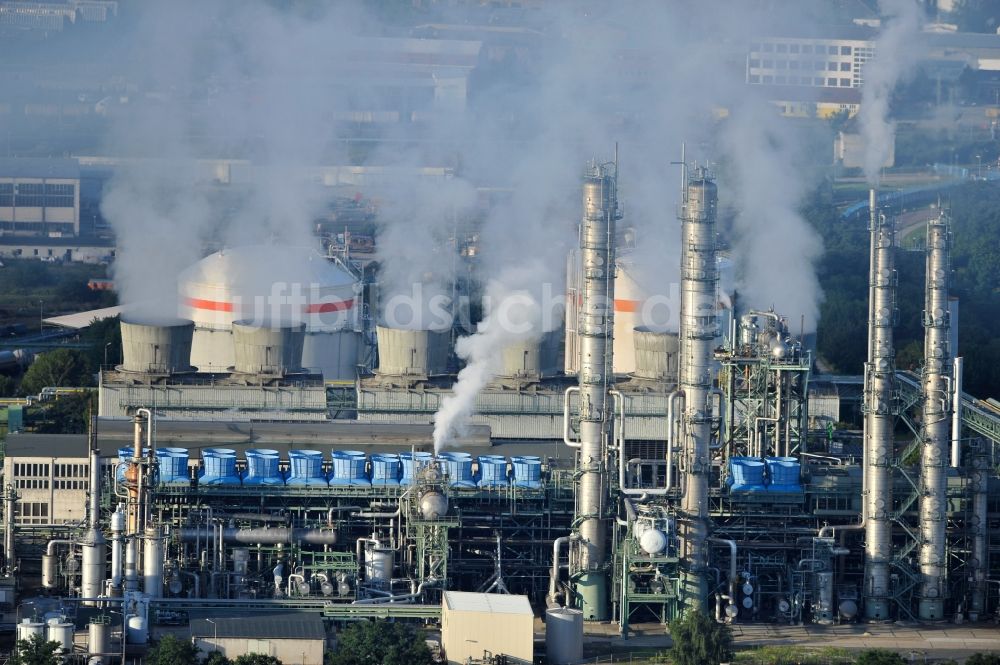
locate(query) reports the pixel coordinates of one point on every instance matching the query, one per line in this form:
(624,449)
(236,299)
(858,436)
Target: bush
(381,642)
(700,640)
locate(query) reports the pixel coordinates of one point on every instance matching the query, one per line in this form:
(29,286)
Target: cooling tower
(156,347)
(656,354)
(417,353)
(532,359)
(268,349)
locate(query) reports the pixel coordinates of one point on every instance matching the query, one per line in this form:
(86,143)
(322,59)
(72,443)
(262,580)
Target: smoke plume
(896,52)
(515,314)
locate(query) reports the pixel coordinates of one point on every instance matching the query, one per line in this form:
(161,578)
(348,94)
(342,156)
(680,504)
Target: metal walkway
(976,417)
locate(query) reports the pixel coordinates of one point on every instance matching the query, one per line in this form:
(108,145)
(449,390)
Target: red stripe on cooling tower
(212,305)
(318,308)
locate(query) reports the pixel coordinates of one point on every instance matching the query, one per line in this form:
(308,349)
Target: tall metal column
(596,323)
(936,434)
(698,328)
(879,419)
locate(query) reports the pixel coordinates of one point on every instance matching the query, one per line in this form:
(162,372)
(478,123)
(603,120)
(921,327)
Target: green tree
(383,642)
(7,386)
(880,657)
(983,659)
(36,651)
(62,367)
(699,640)
(66,414)
(216,658)
(256,659)
(103,336)
(171,650)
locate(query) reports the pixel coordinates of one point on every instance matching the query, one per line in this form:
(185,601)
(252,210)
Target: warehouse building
(291,637)
(39,197)
(476,626)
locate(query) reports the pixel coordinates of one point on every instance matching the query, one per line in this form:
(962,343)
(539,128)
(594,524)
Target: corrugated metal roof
(38,167)
(495,603)
(84,319)
(297,626)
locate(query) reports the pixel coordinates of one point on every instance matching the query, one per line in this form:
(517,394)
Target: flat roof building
(39,197)
(475,626)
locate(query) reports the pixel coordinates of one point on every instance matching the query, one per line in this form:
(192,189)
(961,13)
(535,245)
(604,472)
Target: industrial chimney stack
(596,322)
(698,328)
(936,433)
(879,377)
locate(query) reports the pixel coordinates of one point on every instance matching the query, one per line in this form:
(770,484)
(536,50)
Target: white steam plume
(776,249)
(515,314)
(896,52)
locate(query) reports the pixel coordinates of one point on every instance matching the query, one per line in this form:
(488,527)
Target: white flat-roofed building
(39,197)
(476,624)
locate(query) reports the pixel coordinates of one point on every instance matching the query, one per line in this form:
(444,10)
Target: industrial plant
(286,464)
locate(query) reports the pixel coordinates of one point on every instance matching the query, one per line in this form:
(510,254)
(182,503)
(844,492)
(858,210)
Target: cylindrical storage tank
(411,464)
(492,471)
(156,347)
(137,630)
(94,561)
(385,469)
(746,474)
(152,563)
(29,628)
(173,465)
(403,352)
(50,571)
(218,467)
(655,354)
(458,468)
(268,348)
(262,467)
(349,468)
(527,471)
(783,474)
(378,565)
(563,635)
(306,468)
(99,640)
(61,631)
(236,284)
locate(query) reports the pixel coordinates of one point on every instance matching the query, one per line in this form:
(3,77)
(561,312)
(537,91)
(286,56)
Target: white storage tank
(99,639)
(28,628)
(378,565)
(60,630)
(564,635)
(273,282)
(137,630)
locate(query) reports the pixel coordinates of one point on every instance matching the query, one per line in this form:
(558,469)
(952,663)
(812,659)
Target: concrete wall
(467,635)
(300,652)
(212,401)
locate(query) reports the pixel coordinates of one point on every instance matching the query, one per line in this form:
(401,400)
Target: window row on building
(769,79)
(798,47)
(29,512)
(37,195)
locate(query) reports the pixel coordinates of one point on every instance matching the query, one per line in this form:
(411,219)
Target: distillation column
(597,232)
(879,420)
(936,433)
(93,547)
(698,325)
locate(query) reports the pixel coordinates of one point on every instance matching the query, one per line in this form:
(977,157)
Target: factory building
(39,197)
(708,478)
(296,637)
(834,61)
(476,626)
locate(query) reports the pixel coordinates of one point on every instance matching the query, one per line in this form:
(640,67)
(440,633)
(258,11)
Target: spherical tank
(272,282)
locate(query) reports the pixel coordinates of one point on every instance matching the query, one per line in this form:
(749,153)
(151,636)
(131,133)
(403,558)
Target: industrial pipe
(261,536)
(554,574)
(732,563)
(956,413)
(566,420)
